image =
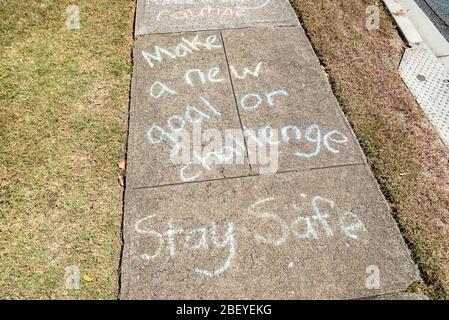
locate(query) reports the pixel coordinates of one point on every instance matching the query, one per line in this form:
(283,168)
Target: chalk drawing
(290,134)
(177,241)
(350,229)
(170,235)
(252,137)
(306,227)
(200,116)
(157,235)
(202,244)
(233,8)
(274,93)
(163,135)
(184,177)
(211,76)
(229,240)
(180,120)
(263,5)
(207,241)
(310,232)
(328,137)
(156,56)
(255,99)
(283,227)
(210,106)
(181,50)
(191,115)
(319,216)
(244,99)
(315,139)
(218,156)
(285,134)
(268,134)
(194,14)
(246,71)
(157,85)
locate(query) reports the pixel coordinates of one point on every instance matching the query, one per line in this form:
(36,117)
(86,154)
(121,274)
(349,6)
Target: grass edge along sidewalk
(407,157)
(63,113)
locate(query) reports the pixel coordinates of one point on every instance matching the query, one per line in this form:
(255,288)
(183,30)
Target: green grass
(63,110)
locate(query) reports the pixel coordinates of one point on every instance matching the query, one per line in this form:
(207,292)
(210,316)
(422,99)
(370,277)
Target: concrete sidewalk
(317,228)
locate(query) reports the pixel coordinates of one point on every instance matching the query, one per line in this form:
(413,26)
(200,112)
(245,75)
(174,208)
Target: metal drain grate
(428,81)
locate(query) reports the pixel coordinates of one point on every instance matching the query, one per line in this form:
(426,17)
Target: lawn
(409,161)
(63,125)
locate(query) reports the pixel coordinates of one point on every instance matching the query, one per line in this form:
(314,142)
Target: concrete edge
(425,27)
(417,27)
(123,293)
(405,25)
(409,296)
(140,31)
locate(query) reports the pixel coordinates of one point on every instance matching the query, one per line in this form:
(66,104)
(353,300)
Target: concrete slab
(287,89)
(165,16)
(440,24)
(402,296)
(179,80)
(404,23)
(426,28)
(323,233)
(172,75)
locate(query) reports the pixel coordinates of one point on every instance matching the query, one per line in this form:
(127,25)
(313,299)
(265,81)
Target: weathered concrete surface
(319,228)
(165,16)
(441,25)
(283,87)
(289,92)
(426,27)
(148,152)
(402,296)
(324,233)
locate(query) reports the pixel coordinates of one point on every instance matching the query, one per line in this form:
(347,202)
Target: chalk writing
(212,76)
(188,14)
(326,221)
(262,5)
(177,122)
(234,147)
(197,239)
(269,216)
(213,8)
(207,159)
(162,89)
(312,135)
(181,50)
(246,71)
(309,143)
(308,227)
(252,101)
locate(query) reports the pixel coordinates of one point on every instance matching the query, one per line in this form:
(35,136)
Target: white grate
(428,81)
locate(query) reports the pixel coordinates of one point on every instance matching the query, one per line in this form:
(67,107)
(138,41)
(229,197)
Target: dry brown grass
(408,159)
